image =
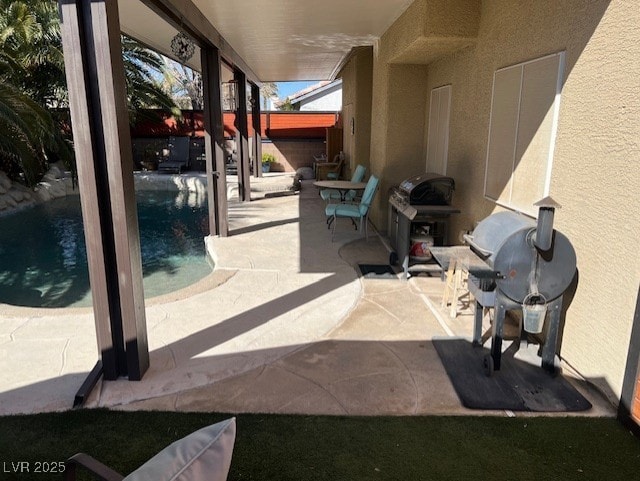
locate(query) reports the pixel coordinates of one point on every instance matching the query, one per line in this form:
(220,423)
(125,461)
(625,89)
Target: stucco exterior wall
(595,167)
(397,129)
(427,30)
(596,177)
(356,77)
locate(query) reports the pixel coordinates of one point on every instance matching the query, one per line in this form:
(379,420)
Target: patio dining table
(342,186)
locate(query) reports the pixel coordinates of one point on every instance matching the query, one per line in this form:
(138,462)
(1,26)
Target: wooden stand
(455,286)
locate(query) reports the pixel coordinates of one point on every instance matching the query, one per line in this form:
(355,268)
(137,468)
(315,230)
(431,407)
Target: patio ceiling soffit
(281,40)
(175,16)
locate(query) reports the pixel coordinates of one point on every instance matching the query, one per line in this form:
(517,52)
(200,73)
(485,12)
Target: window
(438,130)
(522,129)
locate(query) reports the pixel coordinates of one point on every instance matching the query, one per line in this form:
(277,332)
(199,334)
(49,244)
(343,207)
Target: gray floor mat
(517,386)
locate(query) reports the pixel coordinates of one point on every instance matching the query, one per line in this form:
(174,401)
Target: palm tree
(30,34)
(27,130)
(183,84)
(32,74)
(143,69)
(268,90)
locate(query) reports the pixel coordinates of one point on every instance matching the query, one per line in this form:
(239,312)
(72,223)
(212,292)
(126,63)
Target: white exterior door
(438,130)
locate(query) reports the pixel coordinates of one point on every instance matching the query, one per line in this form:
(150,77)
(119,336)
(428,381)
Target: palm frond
(26,130)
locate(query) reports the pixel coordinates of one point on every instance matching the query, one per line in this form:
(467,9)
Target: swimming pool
(43,260)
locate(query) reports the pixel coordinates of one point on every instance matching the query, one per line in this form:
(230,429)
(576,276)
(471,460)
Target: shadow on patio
(296,330)
(290,327)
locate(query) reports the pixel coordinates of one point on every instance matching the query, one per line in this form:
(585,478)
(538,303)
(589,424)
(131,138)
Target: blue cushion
(327,194)
(330,209)
(358,174)
(347,210)
(332,194)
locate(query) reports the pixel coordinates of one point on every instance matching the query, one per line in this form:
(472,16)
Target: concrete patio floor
(284,324)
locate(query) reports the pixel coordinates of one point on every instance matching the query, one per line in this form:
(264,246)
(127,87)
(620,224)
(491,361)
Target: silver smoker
(532,265)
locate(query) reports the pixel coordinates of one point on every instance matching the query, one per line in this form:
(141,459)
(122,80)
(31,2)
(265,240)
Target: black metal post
(257,132)
(244,171)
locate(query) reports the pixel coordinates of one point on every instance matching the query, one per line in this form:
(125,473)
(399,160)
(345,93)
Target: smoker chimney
(544,230)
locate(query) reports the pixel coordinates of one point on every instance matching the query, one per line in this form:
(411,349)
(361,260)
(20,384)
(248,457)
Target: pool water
(43,259)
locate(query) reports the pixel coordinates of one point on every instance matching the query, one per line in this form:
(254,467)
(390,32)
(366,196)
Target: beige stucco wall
(397,125)
(595,173)
(427,30)
(356,101)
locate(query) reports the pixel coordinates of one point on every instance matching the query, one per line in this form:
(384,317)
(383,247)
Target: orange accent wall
(635,408)
(274,125)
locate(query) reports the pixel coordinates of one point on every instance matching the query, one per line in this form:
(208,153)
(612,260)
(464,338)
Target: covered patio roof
(277,41)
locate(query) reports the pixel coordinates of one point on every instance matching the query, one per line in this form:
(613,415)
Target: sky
(287,88)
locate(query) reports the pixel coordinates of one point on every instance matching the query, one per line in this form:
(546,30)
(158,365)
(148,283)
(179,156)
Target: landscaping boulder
(16,194)
(5,181)
(305,173)
(10,201)
(43,193)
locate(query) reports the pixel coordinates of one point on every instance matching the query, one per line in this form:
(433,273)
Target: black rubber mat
(383,271)
(517,386)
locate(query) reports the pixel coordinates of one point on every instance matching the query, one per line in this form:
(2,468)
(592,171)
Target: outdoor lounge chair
(178,156)
(354,211)
(332,194)
(202,455)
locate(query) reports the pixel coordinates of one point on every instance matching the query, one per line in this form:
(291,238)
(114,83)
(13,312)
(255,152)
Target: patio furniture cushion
(333,194)
(354,211)
(343,210)
(202,455)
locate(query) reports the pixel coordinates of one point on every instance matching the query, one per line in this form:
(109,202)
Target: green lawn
(272,447)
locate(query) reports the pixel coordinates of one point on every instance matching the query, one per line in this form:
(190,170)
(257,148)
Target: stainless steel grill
(421,200)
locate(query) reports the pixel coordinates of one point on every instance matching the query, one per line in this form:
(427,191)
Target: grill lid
(428,189)
(505,241)
(490,234)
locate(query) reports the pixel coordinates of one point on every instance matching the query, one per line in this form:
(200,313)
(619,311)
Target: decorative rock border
(15,196)
(190,182)
(58,183)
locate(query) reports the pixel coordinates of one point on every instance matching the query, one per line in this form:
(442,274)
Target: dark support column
(257,136)
(214,142)
(95,78)
(244,173)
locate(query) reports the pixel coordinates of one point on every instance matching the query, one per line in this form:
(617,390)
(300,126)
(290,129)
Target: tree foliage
(31,75)
(183,84)
(144,70)
(268,90)
(33,83)
(286,106)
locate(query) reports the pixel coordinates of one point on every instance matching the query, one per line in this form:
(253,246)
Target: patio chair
(354,211)
(178,156)
(331,194)
(331,170)
(202,455)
